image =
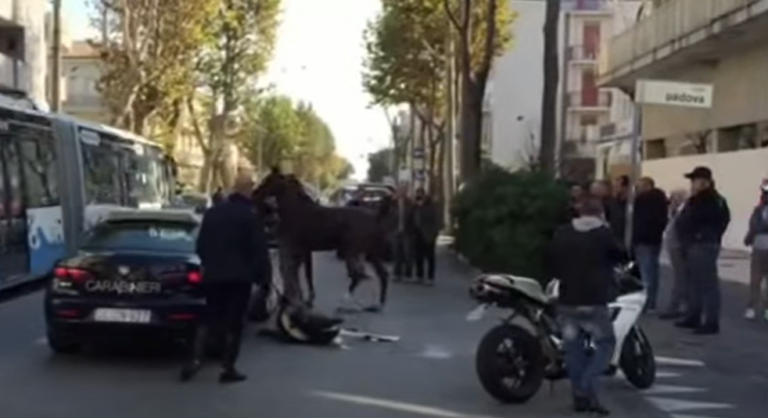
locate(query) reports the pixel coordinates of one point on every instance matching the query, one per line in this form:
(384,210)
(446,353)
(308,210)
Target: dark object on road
(306,226)
(136,274)
(235,256)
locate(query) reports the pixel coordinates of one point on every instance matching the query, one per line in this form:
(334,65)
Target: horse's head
(285,189)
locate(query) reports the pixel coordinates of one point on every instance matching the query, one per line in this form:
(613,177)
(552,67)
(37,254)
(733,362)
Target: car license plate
(128,316)
(477,313)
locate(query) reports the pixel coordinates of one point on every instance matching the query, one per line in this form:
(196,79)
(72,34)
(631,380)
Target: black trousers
(424,249)
(226,309)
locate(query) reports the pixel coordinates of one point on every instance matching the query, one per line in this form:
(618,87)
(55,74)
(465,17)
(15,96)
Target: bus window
(145,177)
(101,170)
(38,158)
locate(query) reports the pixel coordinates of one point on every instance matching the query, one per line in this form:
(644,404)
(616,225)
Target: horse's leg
(310,278)
(383,275)
(356,273)
(289,270)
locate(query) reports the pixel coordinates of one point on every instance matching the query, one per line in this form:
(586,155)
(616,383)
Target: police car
(135,274)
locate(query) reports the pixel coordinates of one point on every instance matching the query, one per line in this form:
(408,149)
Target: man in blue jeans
(700,228)
(649,221)
(582,256)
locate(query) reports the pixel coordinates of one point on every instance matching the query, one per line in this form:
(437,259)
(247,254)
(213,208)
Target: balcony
(582,54)
(589,101)
(681,33)
(587,7)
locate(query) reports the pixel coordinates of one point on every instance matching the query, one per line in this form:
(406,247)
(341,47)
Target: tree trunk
(548,134)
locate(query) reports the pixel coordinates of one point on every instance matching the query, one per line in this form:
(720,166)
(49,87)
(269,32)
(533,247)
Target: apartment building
(517,83)
(81,70)
(23,62)
(722,43)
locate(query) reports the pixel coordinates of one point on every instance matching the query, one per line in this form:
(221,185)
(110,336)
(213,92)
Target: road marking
(666,375)
(436,352)
(41,341)
(681,362)
(679,405)
(395,405)
(670,389)
(688,416)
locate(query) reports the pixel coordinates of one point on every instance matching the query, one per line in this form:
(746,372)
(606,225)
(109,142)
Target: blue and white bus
(59,175)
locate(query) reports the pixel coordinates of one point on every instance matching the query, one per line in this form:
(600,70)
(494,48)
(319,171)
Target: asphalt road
(428,373)
(722,376)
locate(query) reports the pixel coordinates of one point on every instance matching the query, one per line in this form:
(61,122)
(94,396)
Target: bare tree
(551,80)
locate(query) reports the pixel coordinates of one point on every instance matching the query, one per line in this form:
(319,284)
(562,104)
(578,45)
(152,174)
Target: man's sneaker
(750,313)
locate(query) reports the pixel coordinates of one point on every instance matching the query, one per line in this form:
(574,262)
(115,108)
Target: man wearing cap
(700,228)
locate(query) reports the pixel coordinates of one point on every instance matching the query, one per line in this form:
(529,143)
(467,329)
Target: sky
(318,59)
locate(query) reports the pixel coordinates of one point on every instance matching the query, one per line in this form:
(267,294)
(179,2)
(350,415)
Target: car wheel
(60,344)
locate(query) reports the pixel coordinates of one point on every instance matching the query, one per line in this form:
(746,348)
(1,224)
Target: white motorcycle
(515,357)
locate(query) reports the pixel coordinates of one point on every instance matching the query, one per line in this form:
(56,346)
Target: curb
(21,287)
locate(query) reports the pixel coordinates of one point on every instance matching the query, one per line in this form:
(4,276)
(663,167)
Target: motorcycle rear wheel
(637,361)
(510,352)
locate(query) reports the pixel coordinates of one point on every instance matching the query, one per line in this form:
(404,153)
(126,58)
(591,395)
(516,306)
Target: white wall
(31,15)
(517,82)
(737,175)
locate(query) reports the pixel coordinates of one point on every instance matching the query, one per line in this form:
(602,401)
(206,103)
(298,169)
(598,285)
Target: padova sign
(673,93)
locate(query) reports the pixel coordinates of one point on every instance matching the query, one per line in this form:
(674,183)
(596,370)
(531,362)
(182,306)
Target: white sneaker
(750,313)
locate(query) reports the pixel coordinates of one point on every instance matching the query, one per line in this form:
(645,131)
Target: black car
(136,274)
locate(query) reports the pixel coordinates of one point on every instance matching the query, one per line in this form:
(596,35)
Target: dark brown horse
(306,226)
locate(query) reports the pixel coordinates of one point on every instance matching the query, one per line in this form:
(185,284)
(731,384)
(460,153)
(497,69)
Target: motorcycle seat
(528,287)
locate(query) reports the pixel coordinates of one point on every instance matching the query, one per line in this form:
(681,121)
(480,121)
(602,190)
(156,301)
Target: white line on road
(680,362)
(670,389)
(688,416)
(436,352)
(679,405)
(395,405)
(41,341)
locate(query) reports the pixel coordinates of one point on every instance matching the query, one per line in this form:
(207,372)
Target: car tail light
(194,277)
(71,274)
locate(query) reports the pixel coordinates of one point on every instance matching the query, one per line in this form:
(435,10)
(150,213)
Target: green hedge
(504,220)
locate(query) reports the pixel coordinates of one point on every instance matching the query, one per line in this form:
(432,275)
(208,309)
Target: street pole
(450,133)
(56,61)
(634,175)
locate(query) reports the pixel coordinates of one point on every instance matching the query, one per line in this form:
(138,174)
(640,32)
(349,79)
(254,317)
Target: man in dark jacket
(582,256)
(614,214)
(232,247)
(427,224)
(700,228)
(649,221)
(617,211)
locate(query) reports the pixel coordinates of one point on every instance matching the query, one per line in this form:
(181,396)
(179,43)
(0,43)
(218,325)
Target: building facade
(583,106)
(722,43)
(23,57)
(81,70)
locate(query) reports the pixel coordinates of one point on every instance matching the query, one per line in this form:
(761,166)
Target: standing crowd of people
(690,224)
(418,222)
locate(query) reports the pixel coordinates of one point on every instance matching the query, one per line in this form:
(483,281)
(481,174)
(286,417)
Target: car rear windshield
(142,236)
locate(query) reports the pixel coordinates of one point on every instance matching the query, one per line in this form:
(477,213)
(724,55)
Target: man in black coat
(648,224)
(233,249)
(700,228)
(582,256)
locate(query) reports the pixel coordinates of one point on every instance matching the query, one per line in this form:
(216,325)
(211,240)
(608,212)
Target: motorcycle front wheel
(510,364)
(637,361)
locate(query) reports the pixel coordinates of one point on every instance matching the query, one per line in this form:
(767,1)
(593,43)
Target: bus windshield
(146,177)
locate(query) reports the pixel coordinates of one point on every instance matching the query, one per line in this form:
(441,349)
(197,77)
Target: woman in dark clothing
(577,194)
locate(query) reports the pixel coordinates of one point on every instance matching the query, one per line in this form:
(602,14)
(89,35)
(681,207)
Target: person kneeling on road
(233,249)
(582,256)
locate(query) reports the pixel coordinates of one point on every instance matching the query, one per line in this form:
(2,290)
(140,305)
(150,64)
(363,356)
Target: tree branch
(490,40)
(199,135)
(452,16)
